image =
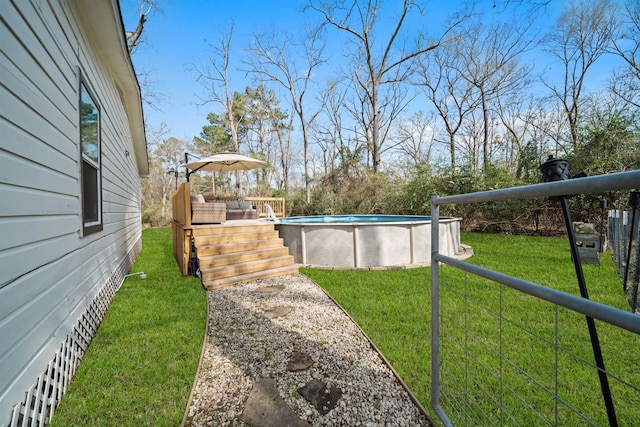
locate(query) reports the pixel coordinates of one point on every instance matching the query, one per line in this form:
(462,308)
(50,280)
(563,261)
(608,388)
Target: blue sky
(178,39)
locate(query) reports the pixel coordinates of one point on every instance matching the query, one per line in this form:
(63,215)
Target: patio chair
(207,213)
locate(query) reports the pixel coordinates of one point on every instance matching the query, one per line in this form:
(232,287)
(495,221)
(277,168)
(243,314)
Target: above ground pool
(366,241)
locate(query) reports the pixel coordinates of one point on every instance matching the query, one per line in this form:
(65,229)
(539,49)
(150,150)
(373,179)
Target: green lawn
(140,366)
(393,308)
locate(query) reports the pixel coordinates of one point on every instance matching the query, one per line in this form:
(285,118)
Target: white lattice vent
(43,397)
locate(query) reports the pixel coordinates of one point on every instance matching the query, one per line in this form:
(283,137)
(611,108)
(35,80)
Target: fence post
(435,313)
(603,206)
(634,202)
(621,242)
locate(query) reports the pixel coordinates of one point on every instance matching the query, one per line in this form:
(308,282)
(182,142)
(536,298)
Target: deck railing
(276,203)
(484,370)
(181,226)
(181,205)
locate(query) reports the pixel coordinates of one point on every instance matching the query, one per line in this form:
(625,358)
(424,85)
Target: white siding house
(72,151)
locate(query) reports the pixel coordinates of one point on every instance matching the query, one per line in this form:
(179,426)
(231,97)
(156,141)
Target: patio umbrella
(224,162)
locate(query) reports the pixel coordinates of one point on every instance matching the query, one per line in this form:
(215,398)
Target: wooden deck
(228,253)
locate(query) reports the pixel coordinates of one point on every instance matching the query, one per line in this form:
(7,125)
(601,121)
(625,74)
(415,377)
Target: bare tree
(145,8)
(549,127)
(582,34)
(393,103)
(470,141)
(168,154)
(275,62)
(374,71)
(285,155)
(216,78)
(165,159)
(415,137)
(626,82)
(490,53)
(439,77)
(516,115)
(151,96)
(270,126)
(332,134)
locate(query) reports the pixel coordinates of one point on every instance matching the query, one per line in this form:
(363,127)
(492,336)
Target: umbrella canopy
(224,162)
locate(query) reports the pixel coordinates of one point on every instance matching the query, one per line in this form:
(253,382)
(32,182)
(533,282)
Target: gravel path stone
(248,355)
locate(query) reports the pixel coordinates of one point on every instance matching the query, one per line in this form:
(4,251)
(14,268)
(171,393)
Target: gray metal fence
(624,234)
(493,364)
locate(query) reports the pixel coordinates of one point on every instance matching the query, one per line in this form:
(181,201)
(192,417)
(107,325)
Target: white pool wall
(365,245)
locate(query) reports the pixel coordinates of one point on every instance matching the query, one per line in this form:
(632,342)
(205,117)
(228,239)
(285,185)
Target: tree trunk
(305,139)
(134,37)
(452,151)
(375,134)
(485,133)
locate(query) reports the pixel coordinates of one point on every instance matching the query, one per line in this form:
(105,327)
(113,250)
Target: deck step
(229,227)
(231,253)
(239,269)
(252,245)
(244,256)
(221,283)
(221,239)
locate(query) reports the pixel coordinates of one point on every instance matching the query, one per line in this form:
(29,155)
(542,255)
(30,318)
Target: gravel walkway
(258,330)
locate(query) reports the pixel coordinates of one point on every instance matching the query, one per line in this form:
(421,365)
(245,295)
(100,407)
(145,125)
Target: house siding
(51,276)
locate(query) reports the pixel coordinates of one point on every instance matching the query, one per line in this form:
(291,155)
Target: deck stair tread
(240,257)
(223,271)
(234,253)
(233,247)
(216,239)
(225,229)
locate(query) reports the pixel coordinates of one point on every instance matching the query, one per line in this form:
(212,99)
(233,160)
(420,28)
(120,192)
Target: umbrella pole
(186,160)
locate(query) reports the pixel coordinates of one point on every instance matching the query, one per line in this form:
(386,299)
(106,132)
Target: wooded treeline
(400,116)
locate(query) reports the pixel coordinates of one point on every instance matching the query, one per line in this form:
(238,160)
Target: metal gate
(483,367)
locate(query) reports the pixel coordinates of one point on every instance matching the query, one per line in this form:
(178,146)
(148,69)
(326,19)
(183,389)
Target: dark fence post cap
(555,169)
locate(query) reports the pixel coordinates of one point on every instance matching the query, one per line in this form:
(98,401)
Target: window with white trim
(90,149)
